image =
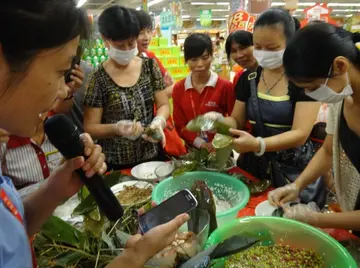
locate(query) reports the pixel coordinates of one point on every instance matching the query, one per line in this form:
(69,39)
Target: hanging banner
(205,17)
(167,19)
(176,10)
(144,5)
(236,5)
(317,12)
(241,20)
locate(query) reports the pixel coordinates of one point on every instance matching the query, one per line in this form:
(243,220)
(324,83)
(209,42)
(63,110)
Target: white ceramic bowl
(140,184)
(264,209)
(146,171)
(165,170)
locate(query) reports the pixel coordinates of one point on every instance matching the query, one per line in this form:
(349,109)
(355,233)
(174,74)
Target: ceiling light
(202,4)
(214,19)
(223,3)
(185,16)
(154,2)
(299,4)
(81,3)
(344,4)
(345,10)
(350,15)
(138,8)
(220,10)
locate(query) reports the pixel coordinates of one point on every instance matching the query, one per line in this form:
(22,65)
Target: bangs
(196,45)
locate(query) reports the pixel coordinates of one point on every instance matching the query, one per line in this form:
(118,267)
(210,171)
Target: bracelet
(262,147)
(162,120)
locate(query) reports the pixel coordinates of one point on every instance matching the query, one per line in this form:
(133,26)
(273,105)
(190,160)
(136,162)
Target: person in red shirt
(239,48)
(201,91)
(143,42)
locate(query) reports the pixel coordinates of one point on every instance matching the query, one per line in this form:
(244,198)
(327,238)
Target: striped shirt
(26,162)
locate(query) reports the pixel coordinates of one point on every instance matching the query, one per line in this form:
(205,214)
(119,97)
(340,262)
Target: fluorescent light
(220,10)
(222,3)
(81,3)
(185,16)
(345,10)
(226,16)
(202,4)
(154,2)
(344,5)
(214,19)
(138,8)
(350,15)
(299,10)
(299,4)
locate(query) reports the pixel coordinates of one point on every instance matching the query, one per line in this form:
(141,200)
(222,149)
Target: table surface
(249,209)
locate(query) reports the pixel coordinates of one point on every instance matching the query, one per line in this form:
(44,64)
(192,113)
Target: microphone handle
(104,197)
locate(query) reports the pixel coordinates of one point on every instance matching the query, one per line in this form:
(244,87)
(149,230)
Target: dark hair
(196,44)
(145,20)
(27,27)
(297,24)
(242,38)
(221,38)
(311,52)
(118,23)
(274,16)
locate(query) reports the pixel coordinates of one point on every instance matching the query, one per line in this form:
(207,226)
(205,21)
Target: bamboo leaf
(89,204)
(62,232)
(68,259)
(108,241)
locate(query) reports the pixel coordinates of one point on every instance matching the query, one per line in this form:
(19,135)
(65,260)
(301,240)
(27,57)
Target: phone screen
(182,202)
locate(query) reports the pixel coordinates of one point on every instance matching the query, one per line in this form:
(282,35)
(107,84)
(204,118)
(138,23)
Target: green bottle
(92,52)
(99,52)
(102,58)
(88,60)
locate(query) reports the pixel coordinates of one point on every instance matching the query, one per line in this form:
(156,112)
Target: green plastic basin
(275,230)
(224,187)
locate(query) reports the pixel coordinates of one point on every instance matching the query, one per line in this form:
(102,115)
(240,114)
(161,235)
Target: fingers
(173,225)
(73,164)
(163,141)
(77,71)
(94,162)
(271,199)
(88,143)
(236,132)
(286,199)
(76,81)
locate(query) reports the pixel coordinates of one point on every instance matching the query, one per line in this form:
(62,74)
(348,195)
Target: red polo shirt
(218,95)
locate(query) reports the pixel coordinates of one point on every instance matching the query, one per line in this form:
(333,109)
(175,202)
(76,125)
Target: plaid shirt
(120,103)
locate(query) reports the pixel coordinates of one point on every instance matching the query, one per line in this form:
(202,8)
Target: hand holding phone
(182,202)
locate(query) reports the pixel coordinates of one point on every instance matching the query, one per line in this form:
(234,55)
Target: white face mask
(122,57)
(269,59)
(327,95)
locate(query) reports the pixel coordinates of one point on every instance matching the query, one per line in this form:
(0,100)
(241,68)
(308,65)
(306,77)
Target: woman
(201,91)
(119,101)
(143,42)
(34,56)
(239,47)
(281,106)
(324,60)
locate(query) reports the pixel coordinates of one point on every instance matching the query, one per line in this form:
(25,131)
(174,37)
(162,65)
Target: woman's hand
(158,124)
(283,195)
(244,142)
(129,129)
(301,212)
(208,146)
(4,136)
(168,80)
(64,182)
(77,77)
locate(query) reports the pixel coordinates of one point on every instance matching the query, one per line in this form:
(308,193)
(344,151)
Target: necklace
(268,89)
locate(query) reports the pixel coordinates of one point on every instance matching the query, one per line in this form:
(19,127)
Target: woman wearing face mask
(239,47)
(282,107)
(34,56)
(201,91)
(119,101)
(324,60)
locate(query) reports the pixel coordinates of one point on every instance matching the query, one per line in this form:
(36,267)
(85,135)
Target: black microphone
(65,136)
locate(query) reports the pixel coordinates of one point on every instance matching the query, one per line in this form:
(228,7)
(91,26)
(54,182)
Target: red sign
(241,20)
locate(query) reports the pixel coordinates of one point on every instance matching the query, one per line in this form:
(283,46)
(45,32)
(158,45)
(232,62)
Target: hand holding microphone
(86,159)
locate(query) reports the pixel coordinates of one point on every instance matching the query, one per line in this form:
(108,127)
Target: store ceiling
(220,8)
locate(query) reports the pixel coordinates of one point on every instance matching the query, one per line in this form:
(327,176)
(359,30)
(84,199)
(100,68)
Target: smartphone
(75,60)
(182,202)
